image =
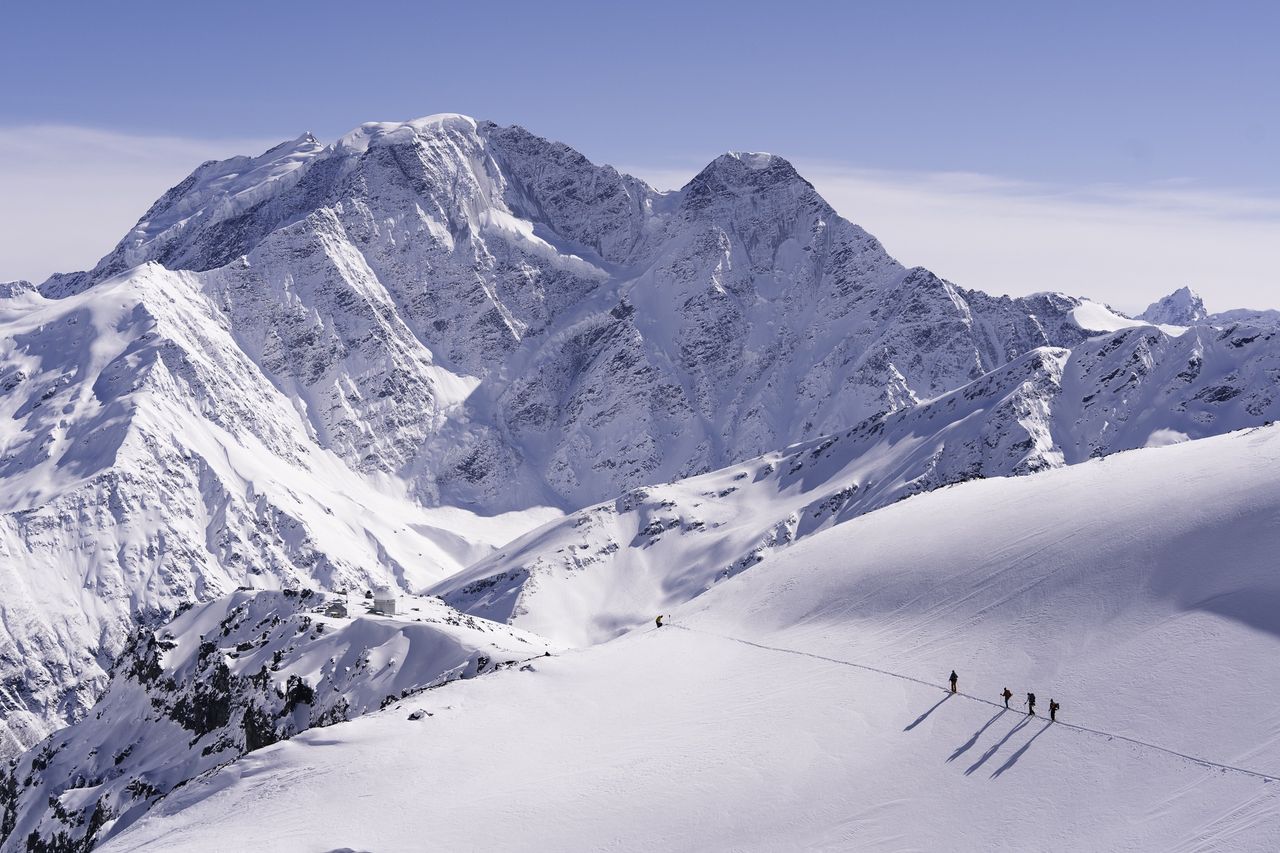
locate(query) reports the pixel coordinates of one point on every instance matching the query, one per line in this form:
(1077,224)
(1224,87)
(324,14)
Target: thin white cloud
(67,194)
(1123,245)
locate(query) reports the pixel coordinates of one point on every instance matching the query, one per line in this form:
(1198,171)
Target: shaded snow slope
(607,568)
(227,677)
(1138,590)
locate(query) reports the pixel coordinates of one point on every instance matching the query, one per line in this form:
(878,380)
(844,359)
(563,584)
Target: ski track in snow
(1204,762)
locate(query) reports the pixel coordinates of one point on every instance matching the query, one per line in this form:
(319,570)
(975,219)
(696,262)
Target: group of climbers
(1007,694)
(1031,705)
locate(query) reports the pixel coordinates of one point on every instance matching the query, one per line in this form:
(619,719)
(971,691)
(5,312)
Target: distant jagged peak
(18,287)
(1183,307)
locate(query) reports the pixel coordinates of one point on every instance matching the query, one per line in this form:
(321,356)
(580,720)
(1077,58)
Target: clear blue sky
(1081,92)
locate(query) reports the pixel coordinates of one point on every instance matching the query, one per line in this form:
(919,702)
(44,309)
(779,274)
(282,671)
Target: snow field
(743,726)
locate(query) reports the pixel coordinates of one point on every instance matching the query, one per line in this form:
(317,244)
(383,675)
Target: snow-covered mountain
(508,287)
(228,677)
(603,570)
(380,360)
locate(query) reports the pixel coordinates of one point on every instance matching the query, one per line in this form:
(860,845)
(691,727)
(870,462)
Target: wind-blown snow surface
(1138,590)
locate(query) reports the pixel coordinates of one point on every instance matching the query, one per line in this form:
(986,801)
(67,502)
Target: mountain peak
(749,168)
(395,132)
(737,174)
(755,160)
(1183,307)
(18,287)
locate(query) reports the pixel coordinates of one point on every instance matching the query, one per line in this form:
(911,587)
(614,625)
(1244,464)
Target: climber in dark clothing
(1031,704)
(1053,711)
(1006,695)
(658,621)
(954,679)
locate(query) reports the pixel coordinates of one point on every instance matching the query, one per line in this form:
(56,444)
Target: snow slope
(801,704)
(607,568)
(236,674)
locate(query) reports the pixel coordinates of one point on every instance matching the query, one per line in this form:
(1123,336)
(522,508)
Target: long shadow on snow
(920,719)
(1013,759)
(965,747)
(994,748)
